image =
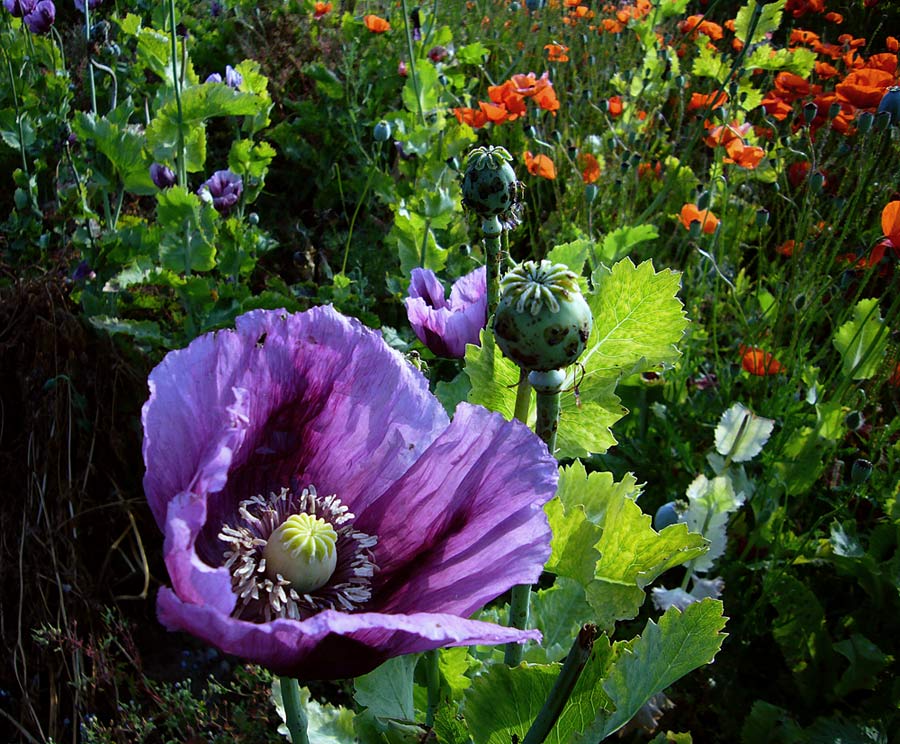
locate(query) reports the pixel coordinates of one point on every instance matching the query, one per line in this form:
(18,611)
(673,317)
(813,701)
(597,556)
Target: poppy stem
(492,230)
(548,386)
(433,676)
(294,712)
(176,82)
(565,683)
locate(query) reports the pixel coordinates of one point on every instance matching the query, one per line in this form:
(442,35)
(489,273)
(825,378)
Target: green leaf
(188,241)
(709,63)
(620,241)
(408,235)
(768,22)
(632,553)
(572,546)
(429,88)
(558,612)
(454,664)
(472,54)
(248,158)
(122,146)
(867,661)
(710,502)
(799,60)
(574,254)
(862,341)
(327,724)
(140,330)
(665,652)
(454,392)
(388,691)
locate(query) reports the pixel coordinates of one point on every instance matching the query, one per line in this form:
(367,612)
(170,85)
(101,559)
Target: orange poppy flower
(321,9)
(758,362)
(496,114)
(591,168)
(375,24)
(745,156)
(475,118)
(529,85)
(707,100)
(691,213)
(557,52)
(864,88)
(801,36)
(892,44)
(540,165)
(826,71)
(836,18)
(612,26)
(786,248)
(615,106)
(696,25)
(886,62)
(547,100)
(890,223)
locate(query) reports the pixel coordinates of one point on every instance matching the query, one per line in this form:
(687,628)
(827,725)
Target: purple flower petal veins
(162,175)
(19,8)
(447,326)
(223,188)
(454,509)
(41,18)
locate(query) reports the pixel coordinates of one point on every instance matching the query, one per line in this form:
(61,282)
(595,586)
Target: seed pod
(490,187)
(542,321)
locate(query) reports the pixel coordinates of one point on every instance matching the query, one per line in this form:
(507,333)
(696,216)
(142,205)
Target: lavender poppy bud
(19,8)
(224,188)
(41,18)
(162,176)
(233,79)
(214,78)
(446,326)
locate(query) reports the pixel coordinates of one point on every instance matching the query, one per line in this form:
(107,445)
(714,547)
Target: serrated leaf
(741,434)
(769,19)
(632,553)
(574,254)
(665,652)
(620,241)
(862,341)
(408,235)
(188,242)
(572,546)
(122,146)
(454,392)
(558,612)
(140,330)
(429,88)
(388,691)
(799,60)
(710,503)
(472,54)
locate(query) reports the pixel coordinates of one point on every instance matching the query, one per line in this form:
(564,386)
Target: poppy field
(476,371)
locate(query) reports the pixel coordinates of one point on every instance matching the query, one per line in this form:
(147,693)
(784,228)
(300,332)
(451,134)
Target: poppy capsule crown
(490,187)
(542,321)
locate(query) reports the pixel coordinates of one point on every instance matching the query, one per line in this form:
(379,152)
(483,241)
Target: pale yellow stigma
(302,550)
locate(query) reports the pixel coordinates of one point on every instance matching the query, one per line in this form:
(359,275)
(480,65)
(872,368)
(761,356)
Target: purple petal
(313,396)
(331,645)
(425,284)
(479,526)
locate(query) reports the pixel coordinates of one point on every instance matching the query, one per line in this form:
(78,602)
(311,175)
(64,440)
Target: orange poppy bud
(758,362)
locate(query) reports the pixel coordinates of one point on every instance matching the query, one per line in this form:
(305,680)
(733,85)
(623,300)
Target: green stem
(176,80)
(562,688)
(294,712)
(433,675)
(355,214)
(424,252)
(87,41)
(492,230)
(548,386)
(12,83)
(523,398)
(519,610)
(412,62)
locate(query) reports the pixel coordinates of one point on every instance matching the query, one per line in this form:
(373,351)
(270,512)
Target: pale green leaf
(558,612)
(429,88)
(632,553)
(388,691)
(741,434)
(572,546)
(665,652)
(620,241)
(327,724)
(799,60)
(710,502)
(862,341)
(574,254)
(769,19)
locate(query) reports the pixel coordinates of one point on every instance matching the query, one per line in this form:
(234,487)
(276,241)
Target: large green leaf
(558,612)
(188,242)
(862,340)
(123,146)
(632,553)
(665,652)
(768,20)
(388,691)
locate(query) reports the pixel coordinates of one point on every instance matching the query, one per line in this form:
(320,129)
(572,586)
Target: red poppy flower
(615,106)
(890,224)
(475,118)
(758,362)
(557,52)
(321,9)
(864,88)
(591,168)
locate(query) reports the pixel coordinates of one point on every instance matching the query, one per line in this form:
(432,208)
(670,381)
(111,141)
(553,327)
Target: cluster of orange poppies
(509,101)
(733,138)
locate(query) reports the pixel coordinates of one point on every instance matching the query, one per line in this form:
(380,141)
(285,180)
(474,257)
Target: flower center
(534,285)
(294,554)
(302,550)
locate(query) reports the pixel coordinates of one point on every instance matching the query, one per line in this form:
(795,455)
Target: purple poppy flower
(41,18)
(19,8)
(224,188)
(214,77)
(446,326)
(233,78)
(247,432)
(162,176)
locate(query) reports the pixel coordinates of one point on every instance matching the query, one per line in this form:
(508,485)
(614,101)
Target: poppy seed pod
(542,321)
(890,103)
(490,187)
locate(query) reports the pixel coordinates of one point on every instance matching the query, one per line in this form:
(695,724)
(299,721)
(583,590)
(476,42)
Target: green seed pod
(490,187)
(382,131)
(542,321)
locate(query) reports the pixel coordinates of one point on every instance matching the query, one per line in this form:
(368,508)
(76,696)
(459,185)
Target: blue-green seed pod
(490,187)
(382,131)
(542,321)
(890,103)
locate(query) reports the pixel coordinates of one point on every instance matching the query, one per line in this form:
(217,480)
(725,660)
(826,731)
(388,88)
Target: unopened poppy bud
(833,110)
(864,122)
(382,131)
(590,193)
(762,217)
(810,112)
(542,321)
(162,176)
(855,420)
(860,471)
(883,121)
(890,104)
(490,186)
(667,515)
(302,550)
(817,182)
